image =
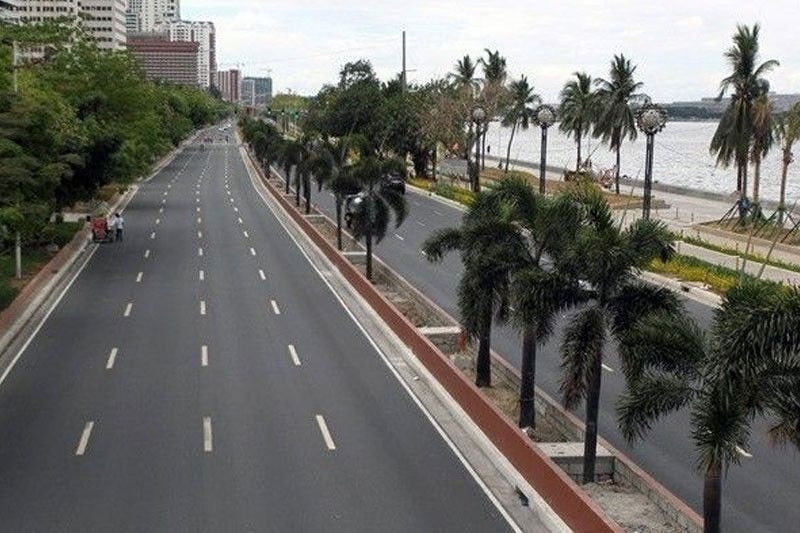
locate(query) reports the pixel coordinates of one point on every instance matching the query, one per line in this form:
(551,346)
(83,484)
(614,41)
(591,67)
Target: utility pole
(18,240)
(403,75)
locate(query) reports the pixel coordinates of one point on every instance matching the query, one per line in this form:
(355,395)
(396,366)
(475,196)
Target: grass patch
(686,268)
(732,251)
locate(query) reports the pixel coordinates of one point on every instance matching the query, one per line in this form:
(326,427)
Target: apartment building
(202,33)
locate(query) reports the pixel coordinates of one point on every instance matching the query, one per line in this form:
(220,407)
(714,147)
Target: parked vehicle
(394,182)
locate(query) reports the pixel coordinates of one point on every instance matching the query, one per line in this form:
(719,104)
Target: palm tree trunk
(368,235)
(307,188)
(483,368)
(510,140)
(578,142)
(527,393)
(712,500)
(435,162)
(288,171)
(756,179)
(787,158)
(483,149)
(592,409)
(297,189)
(616,178)
(339,222)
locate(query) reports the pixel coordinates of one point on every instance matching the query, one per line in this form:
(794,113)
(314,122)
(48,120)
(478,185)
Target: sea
(681,157)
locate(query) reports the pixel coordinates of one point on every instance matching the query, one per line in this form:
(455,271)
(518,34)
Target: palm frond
(583,343)
(649,398)
(442,242)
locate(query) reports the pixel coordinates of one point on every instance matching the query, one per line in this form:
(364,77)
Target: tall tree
(547,227)
(616,97)
(494,94)
(520,112)
(733,136)
(608,259)
(763,139)
(787,131)
(490,245)
(578,110)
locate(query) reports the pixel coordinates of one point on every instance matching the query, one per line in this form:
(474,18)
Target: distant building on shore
(229,83)
(710,107)
(165,60)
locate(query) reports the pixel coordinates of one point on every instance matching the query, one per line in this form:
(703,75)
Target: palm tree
(491,246)
(608,258)
(665,358)
(371,219)
(289,154)
(787,131)
(494,91)
(615,97)
(463,75)
(578,110)
(731,140)
(521,110)
(547,227)
(763,138)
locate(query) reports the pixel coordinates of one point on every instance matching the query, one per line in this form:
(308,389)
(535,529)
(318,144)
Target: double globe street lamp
(544,116)
(478,117)
(650,119)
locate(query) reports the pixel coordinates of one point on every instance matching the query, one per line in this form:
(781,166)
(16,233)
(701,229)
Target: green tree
(289,154)
(787,131)
(491,247)
(733,136)
(616,97)
(763,139)
(520,110)
(378,204)
(547,226)
(608,258)
(578,110)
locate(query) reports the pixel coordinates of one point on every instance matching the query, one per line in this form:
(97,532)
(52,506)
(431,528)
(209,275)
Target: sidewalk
(685,214)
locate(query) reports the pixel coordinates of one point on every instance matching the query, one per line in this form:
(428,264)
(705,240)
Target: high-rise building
(162,59)
(103,20)
(262,91)
(229,84)
(204,35)
(249,92)
(151,15)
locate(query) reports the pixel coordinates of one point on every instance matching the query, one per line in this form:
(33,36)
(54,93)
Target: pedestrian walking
(111,225)
(119,223)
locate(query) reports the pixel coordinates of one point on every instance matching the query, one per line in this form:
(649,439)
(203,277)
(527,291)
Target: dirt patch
(630,508)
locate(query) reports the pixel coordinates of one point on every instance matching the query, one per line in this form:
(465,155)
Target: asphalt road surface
(200,376)
(759,495)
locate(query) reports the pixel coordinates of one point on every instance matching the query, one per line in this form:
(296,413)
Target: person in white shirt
(119,223)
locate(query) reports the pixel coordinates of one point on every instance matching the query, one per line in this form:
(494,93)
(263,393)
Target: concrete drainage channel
(621,486)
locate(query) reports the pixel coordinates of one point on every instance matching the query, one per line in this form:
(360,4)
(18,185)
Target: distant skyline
(678,46)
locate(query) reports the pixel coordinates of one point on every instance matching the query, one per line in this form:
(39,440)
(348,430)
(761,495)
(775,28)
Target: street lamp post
(651,119)
(478,116)
(544,116)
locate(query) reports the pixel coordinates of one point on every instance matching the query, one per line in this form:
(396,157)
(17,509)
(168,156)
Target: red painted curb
(562,494)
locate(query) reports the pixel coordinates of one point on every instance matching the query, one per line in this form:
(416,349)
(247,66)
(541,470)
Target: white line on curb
(128,309)
(208,437)
(293,355)
(275,308)
(326,434)
(84,440)
(111,358)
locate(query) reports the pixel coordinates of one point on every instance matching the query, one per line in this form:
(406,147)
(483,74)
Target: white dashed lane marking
(261,274)
(294,356)
(204,355)
(202,307)
(326,434)
(83,443)
(139,277)
(275,308)
(112,356)
(128,309)
(208,437)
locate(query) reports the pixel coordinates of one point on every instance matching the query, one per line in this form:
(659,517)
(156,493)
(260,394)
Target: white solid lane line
(146,254)
(128,309)
(202,275)
(200,252)
(293,355)
(275,308)
(326,434)
(744,453)
(252,251)
(607,368)
(112,356)
(208,437)
(84,440)
(261,274)
(204,355)
(202,307)
(139,277)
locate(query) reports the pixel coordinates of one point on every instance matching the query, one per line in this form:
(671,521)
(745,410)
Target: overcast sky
(677,44)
